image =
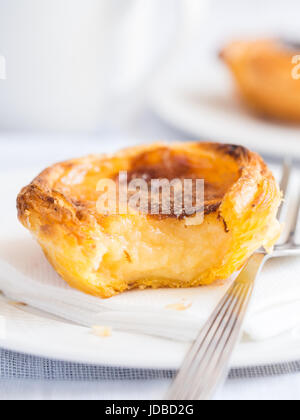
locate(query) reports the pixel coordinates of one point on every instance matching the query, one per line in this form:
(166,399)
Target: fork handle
(246,278)
(252,268)
(206,364)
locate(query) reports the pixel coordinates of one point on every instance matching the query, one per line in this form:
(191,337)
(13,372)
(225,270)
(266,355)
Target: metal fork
(206,364)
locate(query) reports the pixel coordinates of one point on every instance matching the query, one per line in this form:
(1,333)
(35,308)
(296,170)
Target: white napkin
(26,276)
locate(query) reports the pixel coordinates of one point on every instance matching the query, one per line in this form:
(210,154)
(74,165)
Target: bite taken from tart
(104,253)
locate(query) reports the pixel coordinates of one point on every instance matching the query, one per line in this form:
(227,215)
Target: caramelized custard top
(165,163)
(218,167)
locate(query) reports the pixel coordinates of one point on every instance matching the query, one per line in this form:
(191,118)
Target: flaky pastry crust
(104,255)
(266,76)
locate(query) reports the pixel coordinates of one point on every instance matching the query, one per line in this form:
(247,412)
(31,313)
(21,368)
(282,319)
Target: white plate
(30,331)
(27,330)
(203,104)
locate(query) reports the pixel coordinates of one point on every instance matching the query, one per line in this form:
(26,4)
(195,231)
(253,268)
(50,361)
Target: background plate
(202,103)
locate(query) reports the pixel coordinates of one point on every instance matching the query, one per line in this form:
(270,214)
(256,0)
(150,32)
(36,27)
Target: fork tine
(284,185)
(295,222)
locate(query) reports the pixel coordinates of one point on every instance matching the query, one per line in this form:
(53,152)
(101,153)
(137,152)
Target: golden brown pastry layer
(107,254)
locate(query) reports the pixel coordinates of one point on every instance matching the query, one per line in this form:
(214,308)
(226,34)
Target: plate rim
(165,102)
(266,352)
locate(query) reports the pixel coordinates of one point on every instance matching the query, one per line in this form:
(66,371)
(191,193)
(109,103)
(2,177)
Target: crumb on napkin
(180,306)
(101,331)
(15,303)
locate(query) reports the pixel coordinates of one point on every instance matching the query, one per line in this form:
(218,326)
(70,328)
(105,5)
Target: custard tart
(267,75)
(106,254)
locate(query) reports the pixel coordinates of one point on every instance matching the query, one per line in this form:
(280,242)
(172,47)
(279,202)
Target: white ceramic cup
(68,60)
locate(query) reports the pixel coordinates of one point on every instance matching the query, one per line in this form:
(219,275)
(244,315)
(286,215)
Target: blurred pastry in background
(267,73)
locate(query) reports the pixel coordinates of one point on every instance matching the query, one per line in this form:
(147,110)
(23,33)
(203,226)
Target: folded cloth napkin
(26,276)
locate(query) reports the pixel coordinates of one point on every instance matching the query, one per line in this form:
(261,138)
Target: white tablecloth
(275,388)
